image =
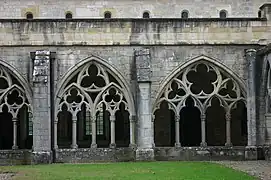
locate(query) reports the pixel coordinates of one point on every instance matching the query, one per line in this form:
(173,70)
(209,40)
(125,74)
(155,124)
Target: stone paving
(261,169)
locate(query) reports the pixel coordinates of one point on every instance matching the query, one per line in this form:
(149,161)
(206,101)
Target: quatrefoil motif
(202,79)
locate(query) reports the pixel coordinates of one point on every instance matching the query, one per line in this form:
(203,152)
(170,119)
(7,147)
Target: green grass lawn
(133,171)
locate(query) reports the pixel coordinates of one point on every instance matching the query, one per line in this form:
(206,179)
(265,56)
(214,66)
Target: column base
(203,144)
(112,146)
(178,145)
(74,146)
(14,147)
(252,153)
(94,146)
(43,157)
(228,144)
(132,146)
(145,154)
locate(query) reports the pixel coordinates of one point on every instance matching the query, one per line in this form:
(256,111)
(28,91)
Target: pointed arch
(202,58)
(201,79)
(102,91)
(110,68)
(16,126)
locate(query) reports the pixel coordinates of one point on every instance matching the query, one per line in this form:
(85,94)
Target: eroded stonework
(119,89)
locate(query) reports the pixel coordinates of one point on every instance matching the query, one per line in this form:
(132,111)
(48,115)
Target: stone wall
(15,157)
(94,155)
(129,8)
(164,59)
(134,32)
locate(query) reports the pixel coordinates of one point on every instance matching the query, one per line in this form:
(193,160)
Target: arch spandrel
(106,72)
(223,76)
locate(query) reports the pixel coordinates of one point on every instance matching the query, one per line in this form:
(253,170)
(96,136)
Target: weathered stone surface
(146,53)
(15,157)
(123,32)
(199,153)
(94,155)
(42,157)
(129,9)
(145,154)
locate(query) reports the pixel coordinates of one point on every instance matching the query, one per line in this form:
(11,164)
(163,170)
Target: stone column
(145,128)
(74,132)
(177,131)
(132,131)
(55,134)
(251,150)
(203,130)
(14,120)
(41,83)
(251,96)
(112,126)
(228,129)
(93,132)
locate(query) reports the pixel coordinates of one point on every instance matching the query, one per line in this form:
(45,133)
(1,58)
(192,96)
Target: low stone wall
(94,155)
(89,155)
(15,157)
(199,153)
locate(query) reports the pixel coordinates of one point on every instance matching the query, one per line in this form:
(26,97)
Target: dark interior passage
(164,126)
(24,137)
(215,124)
(122,127)
(64,130)
(6,130)
(24,129)
(190,125)
(239,124)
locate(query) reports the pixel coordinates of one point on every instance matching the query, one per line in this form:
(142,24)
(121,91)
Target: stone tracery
(201,82)
(12,100)
(96,90)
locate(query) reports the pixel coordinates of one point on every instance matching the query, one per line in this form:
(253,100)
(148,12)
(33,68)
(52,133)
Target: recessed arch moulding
(186,82)
(97,87)
(104,70)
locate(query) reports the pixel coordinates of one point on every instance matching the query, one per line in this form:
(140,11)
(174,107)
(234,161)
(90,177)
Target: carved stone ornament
(201,81)
(94,87)
(12,95)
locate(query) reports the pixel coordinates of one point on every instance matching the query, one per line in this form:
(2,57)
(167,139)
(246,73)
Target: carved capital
(203,117)
(15,119)
(74,118)
(112,118)
(228,116)
(251,52)
(177,118)
(93,119)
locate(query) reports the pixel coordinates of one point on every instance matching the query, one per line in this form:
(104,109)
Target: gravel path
(261,169)
(6,176)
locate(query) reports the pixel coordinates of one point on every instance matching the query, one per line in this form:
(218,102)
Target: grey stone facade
(123,89)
